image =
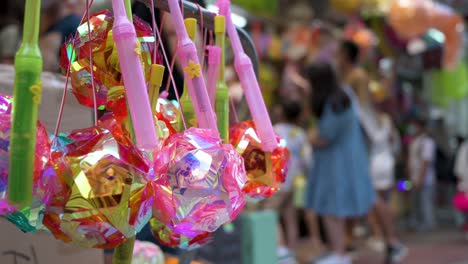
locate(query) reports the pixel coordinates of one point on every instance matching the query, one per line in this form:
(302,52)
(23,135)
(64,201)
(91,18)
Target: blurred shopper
(59,21)
(352,74)
(339,184)
(293,86)
(461,171)
(11,19)
(378,131)
(422,152)
(382,170)
(385,144)
(356,80)
(301,155)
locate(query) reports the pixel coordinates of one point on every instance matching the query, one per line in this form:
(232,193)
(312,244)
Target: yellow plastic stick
(222,91)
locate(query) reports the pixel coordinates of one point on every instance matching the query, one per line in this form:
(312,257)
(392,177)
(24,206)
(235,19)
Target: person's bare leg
(386,220)
(280,234)
(349,232)
(290,222)
(314,229)
(336,233)
(374,224)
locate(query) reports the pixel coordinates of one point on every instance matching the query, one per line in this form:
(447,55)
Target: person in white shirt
(422,174)
(299,164)
(384,146)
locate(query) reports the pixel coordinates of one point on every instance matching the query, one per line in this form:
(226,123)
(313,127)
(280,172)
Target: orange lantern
(451,25)
(360,35)
(409,18)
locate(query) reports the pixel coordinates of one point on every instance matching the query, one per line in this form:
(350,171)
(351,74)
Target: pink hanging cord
(173,61)
(156,41)
(233,110)
(91,65)
(64,95)
(211,33)
(171,76)
(160,27)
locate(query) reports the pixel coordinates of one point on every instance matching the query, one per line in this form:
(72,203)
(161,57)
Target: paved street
(440,247)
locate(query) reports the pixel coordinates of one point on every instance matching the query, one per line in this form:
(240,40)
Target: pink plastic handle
(192,72)
(133,77)
(245,71)
(214,60)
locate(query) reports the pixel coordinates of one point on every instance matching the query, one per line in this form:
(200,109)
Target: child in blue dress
(339,186)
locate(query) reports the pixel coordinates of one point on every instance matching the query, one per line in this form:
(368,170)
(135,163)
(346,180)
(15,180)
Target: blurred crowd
(361,159)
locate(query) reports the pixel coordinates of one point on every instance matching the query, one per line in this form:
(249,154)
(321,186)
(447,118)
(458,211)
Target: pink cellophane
(199,188)
(105,58)
(96,188)
(41,154)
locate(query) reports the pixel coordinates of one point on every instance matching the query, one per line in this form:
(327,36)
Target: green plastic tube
(128,9)
(222,91)
(186,101)
(123,254)
(27,97)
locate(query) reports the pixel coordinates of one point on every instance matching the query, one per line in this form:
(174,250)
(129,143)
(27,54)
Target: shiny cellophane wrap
(41,153)
(5,104)
(105,59)
(198,189)
(265,171)
(96,188)
(166,113)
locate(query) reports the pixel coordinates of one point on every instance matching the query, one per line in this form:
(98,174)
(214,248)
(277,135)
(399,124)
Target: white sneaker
(334,259)
(376,244)
(282,252)
(346,259)
(359,231)
(285,256)
(396,253)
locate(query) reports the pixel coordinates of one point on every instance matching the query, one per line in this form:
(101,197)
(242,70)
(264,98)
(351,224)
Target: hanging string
(233,109)
(65,91)
(156,41)
(64,95)
(211,36)
(171,76)
(91,65)
(171,66)
(202,20)
(162,14)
